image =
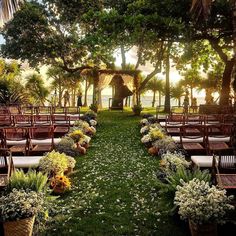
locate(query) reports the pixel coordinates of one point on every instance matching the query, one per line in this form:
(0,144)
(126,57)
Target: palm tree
(211,84)
(191,80)
(177,92)
(7,9)
(155,85)
(36,88)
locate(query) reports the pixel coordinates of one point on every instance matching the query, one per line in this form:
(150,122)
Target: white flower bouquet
(146,139)
(200,203)
(173,161)
(93,122)
(20,204)
(144,122)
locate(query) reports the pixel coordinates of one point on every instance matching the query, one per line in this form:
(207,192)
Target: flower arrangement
(166,144)
(93,122)
(90,131)
(60,184)
(173,161)
(85,140)
(144,121)
(201,203)
(70,162)
(67,146)
(156,133)
(146,139)
(81,124)
(137,109)
(94,107)
(20,204)
(76,135)
(55,163)
(144,130)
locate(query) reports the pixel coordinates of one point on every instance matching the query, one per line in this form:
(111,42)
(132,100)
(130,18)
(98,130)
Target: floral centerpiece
(55,163)
(60,184)
(76,135)
(173,161)
(165,145)
(144,130)
(93,123)
(202,204)
(156,133)
(18,211)
(144,121)
(84,142)
(146,139)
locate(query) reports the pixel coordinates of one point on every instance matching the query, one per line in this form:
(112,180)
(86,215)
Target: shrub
(156,133)
(137,109)
(76,135)
(35,181)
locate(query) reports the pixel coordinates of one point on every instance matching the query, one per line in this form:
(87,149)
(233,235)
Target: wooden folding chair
(192,138)
(173,123)
(6,167)
(218,142)
(16,139)
(225,172)
(41,139)
(5,120)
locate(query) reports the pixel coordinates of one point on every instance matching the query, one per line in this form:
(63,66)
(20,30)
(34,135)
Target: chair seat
(193,131)
(227,181)
(18,148)
(192,146)
(42,148)
(218,146)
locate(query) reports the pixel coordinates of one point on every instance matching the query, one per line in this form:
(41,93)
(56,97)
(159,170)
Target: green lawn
(114,191)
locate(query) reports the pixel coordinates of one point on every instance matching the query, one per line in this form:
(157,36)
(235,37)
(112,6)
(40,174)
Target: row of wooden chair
(205,138)
(38,110)
(28,140)
(30,120)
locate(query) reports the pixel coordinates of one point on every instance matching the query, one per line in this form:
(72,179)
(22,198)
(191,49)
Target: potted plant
(137,109)
(203,205)
(60,184)
(94,107)
(18,211)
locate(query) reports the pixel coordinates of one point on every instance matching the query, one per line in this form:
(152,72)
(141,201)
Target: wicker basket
(22,227)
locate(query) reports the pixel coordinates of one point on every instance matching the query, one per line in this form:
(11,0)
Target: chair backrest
(23,120)
(5,120)
(60,120)
(194,119)
(42,120)
(41,132)
(192,132)
(175,119)
(15,133)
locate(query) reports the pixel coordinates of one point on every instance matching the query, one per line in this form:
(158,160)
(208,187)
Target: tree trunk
(159,98)
(191,95)
(126,101)
(167,92)
(154,98)
(122,50)
(226,80)
(60,91)
(179,101)
(87,85)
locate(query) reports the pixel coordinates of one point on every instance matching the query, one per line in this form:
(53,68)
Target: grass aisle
(115,186)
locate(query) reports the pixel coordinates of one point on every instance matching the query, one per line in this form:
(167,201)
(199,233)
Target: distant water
(146,101)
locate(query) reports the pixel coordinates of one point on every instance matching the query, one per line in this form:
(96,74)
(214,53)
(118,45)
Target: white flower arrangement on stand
(201,203)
